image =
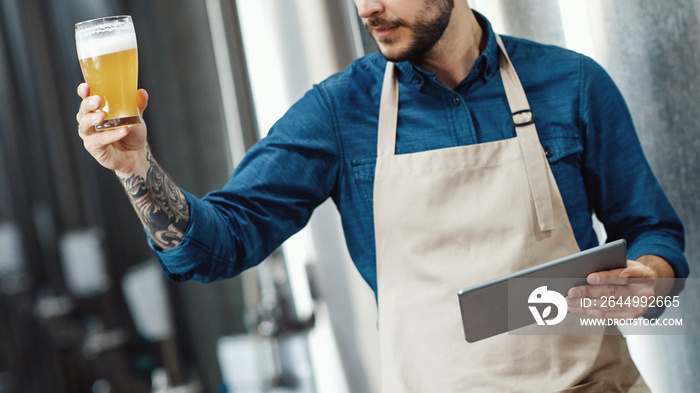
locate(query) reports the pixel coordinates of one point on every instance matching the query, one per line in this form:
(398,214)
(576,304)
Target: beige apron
(450,218)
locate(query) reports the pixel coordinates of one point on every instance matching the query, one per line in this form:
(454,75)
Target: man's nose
(369,8)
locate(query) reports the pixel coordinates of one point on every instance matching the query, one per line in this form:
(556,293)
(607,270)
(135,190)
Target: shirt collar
(484,67)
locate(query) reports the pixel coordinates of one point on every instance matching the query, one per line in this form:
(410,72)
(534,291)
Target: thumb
(142,100)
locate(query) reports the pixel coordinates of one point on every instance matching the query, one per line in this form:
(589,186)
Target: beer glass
(109,62)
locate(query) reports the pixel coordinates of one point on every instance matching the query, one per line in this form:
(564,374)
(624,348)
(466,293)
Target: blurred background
(83,305)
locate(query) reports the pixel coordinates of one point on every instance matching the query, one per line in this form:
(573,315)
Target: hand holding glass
(108,57)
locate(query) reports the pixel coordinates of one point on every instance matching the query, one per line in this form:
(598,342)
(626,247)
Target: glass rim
(104,18)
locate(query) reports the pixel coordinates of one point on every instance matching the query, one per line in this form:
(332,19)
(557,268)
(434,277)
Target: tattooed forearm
(160,205)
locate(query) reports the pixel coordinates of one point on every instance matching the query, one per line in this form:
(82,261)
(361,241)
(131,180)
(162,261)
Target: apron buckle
(522,118)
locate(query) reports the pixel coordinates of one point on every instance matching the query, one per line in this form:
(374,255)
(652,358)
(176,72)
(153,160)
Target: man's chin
(397,51)
(393,54)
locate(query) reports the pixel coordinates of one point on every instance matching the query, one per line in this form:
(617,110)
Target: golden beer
(108,57)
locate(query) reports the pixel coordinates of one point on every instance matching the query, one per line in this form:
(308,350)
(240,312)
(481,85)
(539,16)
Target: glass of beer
(109,61)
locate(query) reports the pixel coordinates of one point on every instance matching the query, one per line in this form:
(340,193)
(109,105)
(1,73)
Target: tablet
(485,306)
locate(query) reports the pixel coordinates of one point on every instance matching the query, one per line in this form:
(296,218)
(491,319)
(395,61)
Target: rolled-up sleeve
(270,196)
(622,189)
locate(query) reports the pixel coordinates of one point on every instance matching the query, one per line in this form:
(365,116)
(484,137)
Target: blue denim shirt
(325,146)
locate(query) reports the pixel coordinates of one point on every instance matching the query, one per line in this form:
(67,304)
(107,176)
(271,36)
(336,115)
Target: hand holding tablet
(485,307)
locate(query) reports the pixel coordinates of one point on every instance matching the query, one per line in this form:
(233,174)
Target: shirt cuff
(664,247)
(179,263)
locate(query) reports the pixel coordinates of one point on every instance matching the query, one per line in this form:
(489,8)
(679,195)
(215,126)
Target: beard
(426,30)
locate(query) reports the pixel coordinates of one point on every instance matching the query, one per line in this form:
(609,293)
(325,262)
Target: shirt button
(416,80)
(548,152)
(456,101)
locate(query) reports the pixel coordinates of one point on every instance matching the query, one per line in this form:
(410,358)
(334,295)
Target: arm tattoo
(160,205)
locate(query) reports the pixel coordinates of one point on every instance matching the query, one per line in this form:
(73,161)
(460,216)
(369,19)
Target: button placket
(464,131)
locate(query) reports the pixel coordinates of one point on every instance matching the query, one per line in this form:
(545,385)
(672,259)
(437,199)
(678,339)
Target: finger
(83,90)
(87,123)
(89,104)
(594,312)
(143,100)
(604,277)
(575,292)
(593,309)
(578,308)
(99,140)
(596,291)
(617,313)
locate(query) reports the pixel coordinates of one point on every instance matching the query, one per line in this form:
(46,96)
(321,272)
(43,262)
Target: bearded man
(448,168)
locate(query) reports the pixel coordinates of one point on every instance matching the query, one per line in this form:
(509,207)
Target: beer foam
(105,45)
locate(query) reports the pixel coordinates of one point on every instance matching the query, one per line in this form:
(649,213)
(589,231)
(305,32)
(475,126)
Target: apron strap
(533,154)
(388,113)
